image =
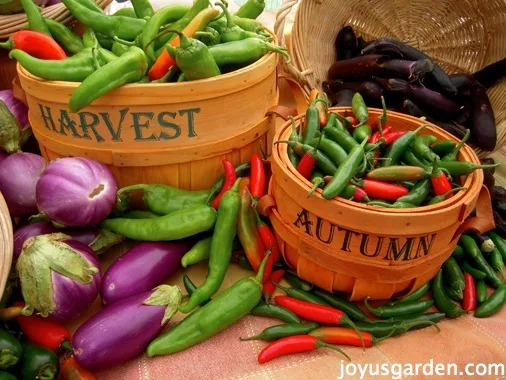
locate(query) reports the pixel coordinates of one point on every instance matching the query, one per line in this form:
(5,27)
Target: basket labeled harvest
(443,61)
(397,217)
(160,106)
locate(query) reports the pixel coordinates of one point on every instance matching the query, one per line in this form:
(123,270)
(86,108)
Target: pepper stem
(319,344)
(370,308)
(315,187)
(346,321)
(254,337)
(9,45)
(457,149)
(10,313)
(409,325)
(283,288)
(228,16)
(65,345)
(260,275)
(378,340)
(383,118)
(183,38)
(124,42)
(422,127)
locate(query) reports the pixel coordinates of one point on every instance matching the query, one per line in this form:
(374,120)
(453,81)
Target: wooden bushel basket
(340,245)
(6,244)
(462,36)
(174,133)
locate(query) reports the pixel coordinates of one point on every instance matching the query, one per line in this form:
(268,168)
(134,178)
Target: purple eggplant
(438,104)
(142,268)
(369,89)
(123,330)
(483,119)
(363,67)
(342,98)
(362,44)
(346,45)
(25,232)
(395,48)
(491,74)
(60,278)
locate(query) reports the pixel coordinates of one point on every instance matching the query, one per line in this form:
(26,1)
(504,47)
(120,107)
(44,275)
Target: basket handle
(18,92)
(279,31)
(484,219)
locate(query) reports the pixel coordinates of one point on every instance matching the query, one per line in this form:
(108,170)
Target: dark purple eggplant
(500,224)
(367,89)
(500,207)
(123,330)
(142,268)
(491,74)
(432,102)
(488,161)
(395,48)
(483,119)
(488,180)
(483,241)
(362,44)
(346,45)
(410,108)
(498,194)
(453,128)
(463,84)
(342,98)
(363,67)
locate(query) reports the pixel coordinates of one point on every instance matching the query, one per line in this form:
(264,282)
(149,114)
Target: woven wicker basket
(6,244)
(461,35)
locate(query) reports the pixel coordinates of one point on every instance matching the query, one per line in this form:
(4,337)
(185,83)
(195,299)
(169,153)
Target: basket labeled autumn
(350,241)
(152,116)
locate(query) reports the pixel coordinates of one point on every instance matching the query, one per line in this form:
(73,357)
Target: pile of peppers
(136,45)
(361,158)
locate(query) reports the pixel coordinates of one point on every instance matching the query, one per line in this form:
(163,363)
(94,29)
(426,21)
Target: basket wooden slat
(6,244)
(461,35)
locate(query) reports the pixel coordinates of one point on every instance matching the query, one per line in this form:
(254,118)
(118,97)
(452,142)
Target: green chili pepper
(332,149)
(332,121)
(347,307)
(414,296)
(409,158)
(90,39)
(454,276)
(221,248)
(323,161)
(453,294)
(432,317)
(418,194)
(7,376)
(473,252)
(345,172)
(38,363)
(140,214)
(297,282)
(227,308)
(399,147)
(441,198)
(34,16)
(385,328)
(164,16)
(397,204)
(251,9)
(143,8)
(499,243)
(494,303)
(64,36)
(496,262)
(210,37)
(104,41)
(113,26)
(73,69)
(481,291)
(348,192)
(271,310)
(302,295)
(421,147)
(128,68)
(443,147)
(233,32)
(362,133)
(199,252)
(119,49)
(458,252)
(177,225)
(342,137)
(294,137)
(441,299)
(240,170)
(407,308)
(459,168)
(312,122)
(359,110)
(191,288)
(127,12)
(194,59)
(245,23)
(476,273)
(163,199)
(10,350)
(397,173)
(244,263)
(452,156)
(408,184)
(281,331)
(317,181)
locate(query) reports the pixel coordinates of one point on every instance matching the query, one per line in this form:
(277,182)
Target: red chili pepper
(440,183)
(230,178)
(343,335)
(306,165)
(392,136)
(360,195)
(71,370)
(257,182)
(248,233)
(375,137)
(469,302)
(269,287)
(36,44)
(353,121)
(44,332)
(320,106)
(293,345)
(382,190)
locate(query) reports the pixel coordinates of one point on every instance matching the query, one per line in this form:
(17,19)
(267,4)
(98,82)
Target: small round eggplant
(142,268)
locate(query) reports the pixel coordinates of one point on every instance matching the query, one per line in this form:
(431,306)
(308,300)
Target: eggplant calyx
(9,130)
(8,358)
(165,295)
(104,240)
(42,255)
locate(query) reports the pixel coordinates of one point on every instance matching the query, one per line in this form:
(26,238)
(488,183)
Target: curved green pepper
(421,147)
(418,194)
(399,147)
(70,41)
(232,32)
(251,9)
(199,252)
(127,12)
(38,363)
(209,36)
(10,350)
(34,16)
